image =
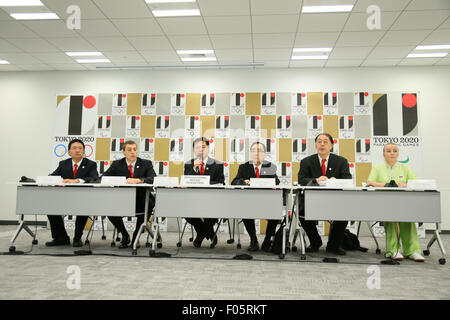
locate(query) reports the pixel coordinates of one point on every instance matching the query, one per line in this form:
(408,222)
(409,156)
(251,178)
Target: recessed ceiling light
(20,3)
(318,9)
(427,55)
(176,13)
(168,1)
(312,49)
(195,51)
(93,60)
(4,62)
(35,16)
(198,59)
(321,57)
(82,54)
(434,47)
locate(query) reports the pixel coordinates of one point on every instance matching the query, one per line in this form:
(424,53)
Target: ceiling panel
(358,21)
(33,45)
(368,38)
(8,46)
(344,62)
(14,29)
(390,52)
(428,5)
(272,54)
(307,63)
(88,9)
(124,9)
(418,61)
(224,8)
(111,43)
(395,38)
(19,58)
(122,57)
(350,53)
(160,56)
(98,28)
(150,43)
(274,40)
(419,20)
(227,41)
(384,5)
(190,42)
(322,22)
(234,54)
(54,57)
(268,7)
(380,62)
(444,61)
(275,23)
(5,16)
(35,67)
(314,39)
(68,66)
(71,44)
(440,36)
(51,28)
(182,25)
(138,27)
(228,25)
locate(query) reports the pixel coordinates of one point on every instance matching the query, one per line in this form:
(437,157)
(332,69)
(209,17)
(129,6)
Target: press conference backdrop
(164,126)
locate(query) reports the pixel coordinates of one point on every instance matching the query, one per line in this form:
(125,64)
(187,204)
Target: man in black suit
(74,170)
(136,170)
(318,168)
(257,168)
(202,164)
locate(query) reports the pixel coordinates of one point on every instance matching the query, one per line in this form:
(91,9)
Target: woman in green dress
(381,174)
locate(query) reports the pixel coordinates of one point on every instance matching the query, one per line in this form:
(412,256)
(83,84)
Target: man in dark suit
(74,170)
(136,170)
(257,168)
(202,164)
(318,168)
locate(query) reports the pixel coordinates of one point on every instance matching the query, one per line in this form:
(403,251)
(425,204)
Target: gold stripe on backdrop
(162,147)
(331,125)
(102,149)
(362,172)
(234,167)
(253,103)
(315,103)
(221,150)
(347,149)
(176,169)
(284,150)
(268,127)
(193,103)
(208,126)
(148,126)
(134,101)
(59,99)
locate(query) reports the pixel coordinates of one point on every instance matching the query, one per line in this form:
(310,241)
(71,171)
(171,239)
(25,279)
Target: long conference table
(232,202)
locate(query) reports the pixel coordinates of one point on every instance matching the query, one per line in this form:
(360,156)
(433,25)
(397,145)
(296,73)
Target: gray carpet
(205,273)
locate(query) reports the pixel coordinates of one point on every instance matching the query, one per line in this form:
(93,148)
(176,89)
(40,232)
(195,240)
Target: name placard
(165,181)
(195,180)
(422,184)
(115,181)
(339,183)
(262,182)
(48,180)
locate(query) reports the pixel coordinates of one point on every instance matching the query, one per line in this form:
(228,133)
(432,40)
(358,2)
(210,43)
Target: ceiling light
(321,57)
(35,16)
(434,47)
(82,54)
(427,55)
(312,49)
(176,13)
(4,62)
(318,9)
(20,3)
(195,51)
(168,1)
(93,60)
(198,59)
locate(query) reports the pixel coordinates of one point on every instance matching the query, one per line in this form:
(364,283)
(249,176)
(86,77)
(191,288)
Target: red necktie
(202,169)
(257,172)
(75,170)
(324,169)
(130,167)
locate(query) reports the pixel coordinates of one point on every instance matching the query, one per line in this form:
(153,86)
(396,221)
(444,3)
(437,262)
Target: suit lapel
(330,167)
(317,166)
(138,168)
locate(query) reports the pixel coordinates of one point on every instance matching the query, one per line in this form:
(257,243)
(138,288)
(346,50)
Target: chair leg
(377,251)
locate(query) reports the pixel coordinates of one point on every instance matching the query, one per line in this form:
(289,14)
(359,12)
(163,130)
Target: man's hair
(127,143)
(257,142)
(390,143)
(74,141)
(199,140)
(325,134)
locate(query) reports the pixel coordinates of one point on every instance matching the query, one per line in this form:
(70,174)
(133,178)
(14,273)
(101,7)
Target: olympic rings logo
(60,150)
(92,150)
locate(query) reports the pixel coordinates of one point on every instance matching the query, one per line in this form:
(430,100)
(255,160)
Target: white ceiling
(239,31)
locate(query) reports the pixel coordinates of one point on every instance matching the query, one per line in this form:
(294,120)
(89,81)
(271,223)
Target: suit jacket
(310,168)
(143,169)
(87,170)
(213,168)
(247,171)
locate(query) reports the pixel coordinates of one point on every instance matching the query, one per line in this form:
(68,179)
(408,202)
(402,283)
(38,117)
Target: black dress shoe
(254,245)
(338,251)
(266,246)
(77,243)
(125,241)
(312,248)
(198,241)
(58,242)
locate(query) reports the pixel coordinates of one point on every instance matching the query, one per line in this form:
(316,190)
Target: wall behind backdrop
(29,114)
